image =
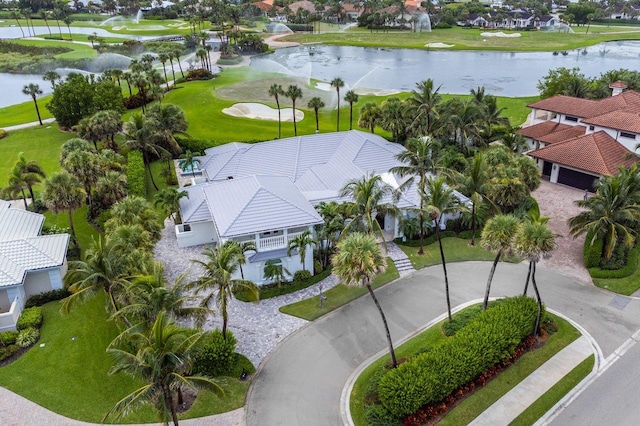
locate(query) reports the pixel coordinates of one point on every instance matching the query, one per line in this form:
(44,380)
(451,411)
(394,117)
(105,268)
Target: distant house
(575,141)
(266,192)
(29,263)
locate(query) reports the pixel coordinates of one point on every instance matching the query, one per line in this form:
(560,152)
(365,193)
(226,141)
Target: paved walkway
(27,125)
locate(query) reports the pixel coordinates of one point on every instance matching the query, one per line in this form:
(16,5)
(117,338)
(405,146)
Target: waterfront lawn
(339,295)
(70,370)
(26,111)
(78,51)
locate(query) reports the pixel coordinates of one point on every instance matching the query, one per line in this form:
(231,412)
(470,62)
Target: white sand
(325,87)
(375,92)
(500,34)
(439,45)
(262,112)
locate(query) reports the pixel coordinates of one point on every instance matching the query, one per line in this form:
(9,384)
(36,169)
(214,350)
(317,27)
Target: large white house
(266,192)
(29,263)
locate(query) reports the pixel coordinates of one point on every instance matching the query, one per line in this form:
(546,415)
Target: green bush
(377,415)
(199,74)
(27,337)
(215,355)
(628,269)
(46,297)
(3,133)
(241,363)
(461,319)
(442,26)
(488,339)
(8,337)
(136,182)
(272,290)
(592,253)
(430,239)
(618,259)
(301,276)
(7,351)
(30,318)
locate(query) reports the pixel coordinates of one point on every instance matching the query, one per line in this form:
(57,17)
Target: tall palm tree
(420,159)
(370,115)
(163,58)
(352,98)
(33,90)
(497,236)
(367,196)
(63,192)
(328,233)
(294,92)
(217,280)
(243,248)
(424,102)
(188,161)
(393,118)
(439,201)
(338,83)
(274,271)
(475,183)
(43,15)
(168,199)
(357,261)
(176,55)
(51,76)
(67,21)
(533,240)
(18,183)
(301,243)
(16,16)
(111,187)
(134,210)
(138,133)
(276,90)
(84,166)
(161,357)
(27,13)
(316,103)
(30,172)
(612,213)
(167,121)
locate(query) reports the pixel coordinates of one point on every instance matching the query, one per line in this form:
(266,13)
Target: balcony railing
(276,242)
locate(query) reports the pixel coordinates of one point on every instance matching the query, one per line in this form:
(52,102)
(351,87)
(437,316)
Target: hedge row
(487,340)
(592,252)
(46,297)
(628,269)
(429,240)
(30,318)
(136,182)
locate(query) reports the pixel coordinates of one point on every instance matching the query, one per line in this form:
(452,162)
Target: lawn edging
(345,396)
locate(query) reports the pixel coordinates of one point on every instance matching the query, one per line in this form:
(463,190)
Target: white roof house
(29,263)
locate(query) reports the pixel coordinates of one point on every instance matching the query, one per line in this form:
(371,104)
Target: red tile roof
(562,104)
(596,153)
(563,135)
(302,4)
(542,129)
(627,120)
(618,85)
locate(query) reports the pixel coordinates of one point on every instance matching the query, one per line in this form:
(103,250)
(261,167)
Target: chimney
(617,87)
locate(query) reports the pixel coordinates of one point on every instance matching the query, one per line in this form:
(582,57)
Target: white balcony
(276,242)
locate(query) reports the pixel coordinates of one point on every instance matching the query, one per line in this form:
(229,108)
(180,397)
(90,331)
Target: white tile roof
(22,249)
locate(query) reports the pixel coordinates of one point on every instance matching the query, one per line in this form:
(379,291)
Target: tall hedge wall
(136,182)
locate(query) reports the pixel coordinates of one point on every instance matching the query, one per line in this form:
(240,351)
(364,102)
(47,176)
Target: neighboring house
(575,141)
(267,192)
(29,263)
(625,10)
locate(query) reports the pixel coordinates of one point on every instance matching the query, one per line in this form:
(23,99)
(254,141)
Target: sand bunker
(500,34)
(375,92)
(325,87)
(262,112)
(439,45)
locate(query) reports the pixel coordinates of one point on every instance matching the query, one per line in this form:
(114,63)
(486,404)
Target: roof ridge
(251,198)
(283,199)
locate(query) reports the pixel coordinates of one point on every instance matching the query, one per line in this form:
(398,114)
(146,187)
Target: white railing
(272,243)
(9,319)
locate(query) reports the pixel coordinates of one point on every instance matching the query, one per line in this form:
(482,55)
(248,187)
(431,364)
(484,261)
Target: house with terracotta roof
(575,141)
(266,193)
(30,263)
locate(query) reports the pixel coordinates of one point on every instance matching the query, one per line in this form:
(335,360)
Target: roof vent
(229,177)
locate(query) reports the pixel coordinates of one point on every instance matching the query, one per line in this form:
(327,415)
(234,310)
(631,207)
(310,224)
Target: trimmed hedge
(46,297)
(136,182)
(628,269)
(592,252)
(30,318)
(272,290)
(8,338)
(432,238)
(215,355)
(429,377)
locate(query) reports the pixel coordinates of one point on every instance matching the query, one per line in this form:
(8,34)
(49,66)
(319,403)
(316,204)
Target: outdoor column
(258,242)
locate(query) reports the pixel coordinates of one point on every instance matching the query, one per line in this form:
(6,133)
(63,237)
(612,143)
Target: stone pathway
(400,259)
(27,125)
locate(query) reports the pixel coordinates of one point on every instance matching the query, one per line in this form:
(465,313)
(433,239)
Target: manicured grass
(339,295)
(70,370)
(78,51)
(79,37)
(85,233)
(553,395)
(455,250)
(26,111)
(470,39)
(471,407)
(627,285)
(144,27)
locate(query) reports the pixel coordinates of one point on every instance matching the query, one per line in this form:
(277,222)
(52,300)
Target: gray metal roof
(257,204)
(16,224)
(271,254)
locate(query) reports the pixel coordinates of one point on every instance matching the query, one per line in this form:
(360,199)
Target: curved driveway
(300,382)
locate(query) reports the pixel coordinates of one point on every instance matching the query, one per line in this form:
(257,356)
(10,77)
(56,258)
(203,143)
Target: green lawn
(26,111)
(455,250)
(627,285)
(78,51)
(68,375)
(339,295)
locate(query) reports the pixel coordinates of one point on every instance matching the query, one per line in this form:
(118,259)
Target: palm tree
(332,214)
(138,132)
(294,92)
(33,90)
(370,115)
(30,172)
(222,263)
(84,166)
(176,54)
(43,15)
(134,210)
(352,98)
(16,16)
(533,240)
(420,159)
(51,76)
(367,195)
(276,90)
(337,83)
(440,200)
(111,187)
(168,199)
(27,16)
(424,107)
(612,213)
(497,236)
(475,184)
(316,103)
(17,185)
(243,248)
(100,270)
(168,121)
(393,118)
(63,192)
(188,161)
(67,21)
(161,357)
(163,58)
(357,261)
(300,243)
(274,271)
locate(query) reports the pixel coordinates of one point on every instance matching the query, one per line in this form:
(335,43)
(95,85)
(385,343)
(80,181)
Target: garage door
(576,179)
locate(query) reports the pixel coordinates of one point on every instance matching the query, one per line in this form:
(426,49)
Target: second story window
(627,135)
(571,118)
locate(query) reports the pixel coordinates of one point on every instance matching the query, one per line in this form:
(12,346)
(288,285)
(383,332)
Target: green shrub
(317,266)
(30,318)
(8,337)
(466,235)
(442,26)
(46,297)
(136,182)
(7,351)
(592,253)
(488,339)
(301,275)
(215,355)
(628,269)
(618,259)
(194,145)
(378,415)
(199,74)
(241,363)
(272,290)
(3,133)
(27,337)
(461,319)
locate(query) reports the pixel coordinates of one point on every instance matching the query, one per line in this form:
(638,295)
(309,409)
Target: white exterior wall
(38,282)
(5,303)
(200,233)
(555,170)
(255,271)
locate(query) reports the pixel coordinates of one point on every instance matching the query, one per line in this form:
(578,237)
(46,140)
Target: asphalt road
(301,381)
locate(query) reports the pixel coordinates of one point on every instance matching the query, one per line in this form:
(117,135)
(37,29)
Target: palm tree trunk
(146,160)
(526,284)
(279,120)
(444,268)
(180,66)
(317,124)
(473,224)
(386,326)
(169,399)
(37,109)
(71,228)
(224,325)
(351,116)
(33,198)
(535,288)
(488,289)
(24,199)
(295,127)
